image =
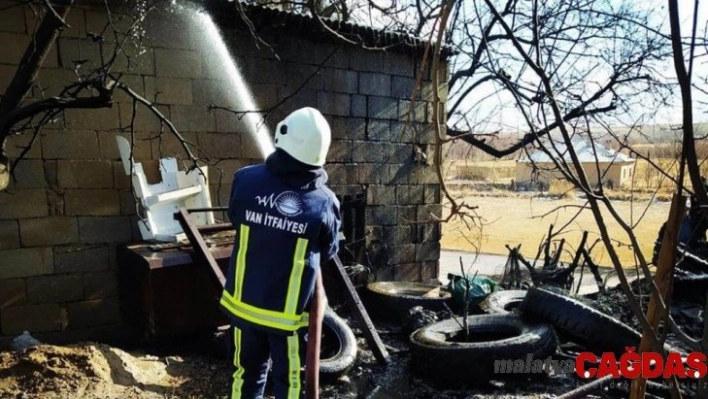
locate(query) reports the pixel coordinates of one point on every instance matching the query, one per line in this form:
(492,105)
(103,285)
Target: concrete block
(168,90)
(55,202)
(75,258)
(407,272)
(402,132)
(30,174)
(399,253)
(108,148)
(54,289)
(382,108)
(99,285)
(426,174)
(359,106)
(402,88)
(221,145)
(134,60)
(426,134)
(250,149)
(375,84)
(398,153)
(429,232)
(128,203)
(79,50)
(187,118)
(171,30)
(410,195)
(168,145)
(205,92)
(366,60)
(25,262)
(93,119)
(85,174)
(70,145)
(378,130)
(145,119)
(399,64)
(92,202)
(54,230)
(382,215)
(9,234)
(426,91)
(348,128)
(95,312)
(429,212)
(173,63)
(333,103)
(135,83)
(16,144)
(381,195)
(337,174)
(401,173)
(428,251)
(429,271)
(12,293)
(418,113)
(262,70)
(407,215)
(341,81)
(227,122)
(13,46)
(298,74)
(340,151)
(373,173)
(365,151)
(13,18)
(105,229)
(23,203)
(397,235)
(51,82)
(34,318)
(50,173)
(337,57)
(432,193)
(7,72)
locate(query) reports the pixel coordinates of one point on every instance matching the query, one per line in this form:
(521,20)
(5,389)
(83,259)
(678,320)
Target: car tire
(438,355)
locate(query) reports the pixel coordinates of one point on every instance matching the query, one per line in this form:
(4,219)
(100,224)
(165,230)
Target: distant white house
(601,164)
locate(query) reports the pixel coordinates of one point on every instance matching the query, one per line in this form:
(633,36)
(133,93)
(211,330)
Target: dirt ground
(90,370)
(525,220)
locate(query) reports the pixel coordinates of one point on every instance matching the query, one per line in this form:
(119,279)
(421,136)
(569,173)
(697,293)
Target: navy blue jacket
(287,221)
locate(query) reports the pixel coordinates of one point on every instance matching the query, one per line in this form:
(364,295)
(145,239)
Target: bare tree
(95,83)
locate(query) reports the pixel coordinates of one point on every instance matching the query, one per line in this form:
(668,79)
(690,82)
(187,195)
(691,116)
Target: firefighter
(287,222)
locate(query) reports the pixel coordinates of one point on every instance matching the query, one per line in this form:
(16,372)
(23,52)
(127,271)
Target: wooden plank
(663,277)
(370,333)
(201,250)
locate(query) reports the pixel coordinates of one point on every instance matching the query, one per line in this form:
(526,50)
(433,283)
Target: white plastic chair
(178,189)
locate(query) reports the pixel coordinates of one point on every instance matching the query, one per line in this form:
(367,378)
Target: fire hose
(314,333)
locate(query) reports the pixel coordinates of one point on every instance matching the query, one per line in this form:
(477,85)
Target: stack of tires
(518,325)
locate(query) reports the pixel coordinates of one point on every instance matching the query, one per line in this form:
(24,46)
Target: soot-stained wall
(71,205)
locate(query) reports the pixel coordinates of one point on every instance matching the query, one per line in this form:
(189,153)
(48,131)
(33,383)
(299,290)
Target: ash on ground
(91,370)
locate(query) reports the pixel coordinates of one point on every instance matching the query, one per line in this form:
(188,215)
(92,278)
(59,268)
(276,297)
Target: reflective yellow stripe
(241,260)
(296,277)
(264,317)
(293,367)
(238,371)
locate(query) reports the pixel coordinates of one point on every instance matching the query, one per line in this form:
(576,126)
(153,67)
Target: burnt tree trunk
(26,75)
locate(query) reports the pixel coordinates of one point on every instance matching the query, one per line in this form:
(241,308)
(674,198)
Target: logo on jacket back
(288,203)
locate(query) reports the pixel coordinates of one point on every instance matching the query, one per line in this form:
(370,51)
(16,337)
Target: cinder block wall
(71,205)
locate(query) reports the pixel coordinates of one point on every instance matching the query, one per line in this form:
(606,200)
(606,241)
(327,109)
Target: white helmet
(305,135)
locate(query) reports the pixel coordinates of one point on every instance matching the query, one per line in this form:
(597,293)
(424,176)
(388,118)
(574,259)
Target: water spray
(240,96)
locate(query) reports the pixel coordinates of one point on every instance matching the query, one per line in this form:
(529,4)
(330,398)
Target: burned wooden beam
(370,333)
